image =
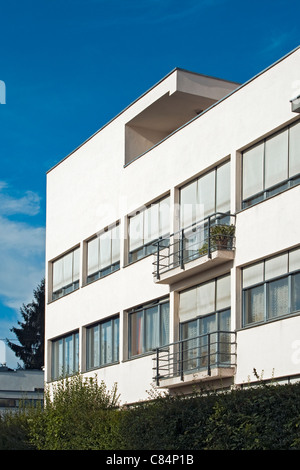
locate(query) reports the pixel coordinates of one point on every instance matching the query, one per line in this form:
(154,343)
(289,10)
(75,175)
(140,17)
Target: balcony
(201,246)
(207,357)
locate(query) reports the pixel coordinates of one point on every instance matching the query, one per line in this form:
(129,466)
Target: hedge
(85,416)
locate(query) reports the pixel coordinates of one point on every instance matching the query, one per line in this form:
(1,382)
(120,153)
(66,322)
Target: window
(146,227)
(103,254)
(103,343)
(205,196)
(272,165)
(204,315)
(271,288)
(148,327)
(65,272)
(65,356)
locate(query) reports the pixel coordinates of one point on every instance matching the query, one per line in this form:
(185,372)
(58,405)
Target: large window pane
(278,299)
(136,231)
(65,274)
(254,305)
(253,274)
(103,254)
(294,150)
(294,260)
(93,256)
(276,266)
(223,293)
(136,333)
(223,188)
(206,298)
(295,301)
(105,249)
(65,356)
(187,305)
(103,343)
(253,171)
(146,227)
(188,204)
(152,328)
(148,328)
(206,195)
(276,159)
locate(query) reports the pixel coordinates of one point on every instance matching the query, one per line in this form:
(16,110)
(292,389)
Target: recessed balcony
(207,357)
(201,246)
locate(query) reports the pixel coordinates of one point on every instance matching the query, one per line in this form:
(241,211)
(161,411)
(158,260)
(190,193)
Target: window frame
(55,361)
(71,286)
(147,248)
(115,341)
(110,268)
(143,309)
(215,195)
(265,283)
(277,188)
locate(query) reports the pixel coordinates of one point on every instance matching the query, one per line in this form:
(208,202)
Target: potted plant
(221,237)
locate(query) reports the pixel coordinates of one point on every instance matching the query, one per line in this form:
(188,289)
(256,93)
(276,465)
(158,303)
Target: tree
(31,331)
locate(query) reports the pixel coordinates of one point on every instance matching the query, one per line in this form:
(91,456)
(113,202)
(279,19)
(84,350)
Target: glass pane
(58,275)
(253,275)
(294,150)
(223,188)
(151,223)
(224,338)
(276,266)
(68,269)
(115,244)
(253,171)
(94,346)
(254,305)
(190,349)
(152,328)
(69,356)
(206,195)
(164,217)
(93,256)
(105,249)
(276,159)
(208,342)
(223,292)
(116,339)
(188,204)
(295,303)
(294,260)
(164,312)
(76,264)
(136,333)
(106,342)
(136,231)
(187,305)
(76,352)
(278,298)
(57,359)
(206,298)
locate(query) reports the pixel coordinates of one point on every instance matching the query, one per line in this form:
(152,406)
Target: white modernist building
(173,239)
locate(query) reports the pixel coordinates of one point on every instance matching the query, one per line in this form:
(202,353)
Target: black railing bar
(215,214)
(196,337)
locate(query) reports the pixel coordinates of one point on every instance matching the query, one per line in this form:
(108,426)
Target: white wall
(91,189)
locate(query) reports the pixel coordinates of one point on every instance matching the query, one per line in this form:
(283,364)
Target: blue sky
(69,66)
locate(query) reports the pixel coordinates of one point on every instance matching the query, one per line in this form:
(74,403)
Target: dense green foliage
(31,332)
(81,414)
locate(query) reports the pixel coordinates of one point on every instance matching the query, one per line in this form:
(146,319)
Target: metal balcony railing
(215,232)
(200,353)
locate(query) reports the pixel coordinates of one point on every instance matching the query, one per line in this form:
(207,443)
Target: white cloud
(29,204)
(22,249)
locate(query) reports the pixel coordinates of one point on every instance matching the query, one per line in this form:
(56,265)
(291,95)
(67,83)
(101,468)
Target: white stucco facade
(186,126)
